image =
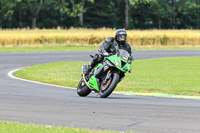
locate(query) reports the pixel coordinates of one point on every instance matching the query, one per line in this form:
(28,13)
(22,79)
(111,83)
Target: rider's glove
(105,53)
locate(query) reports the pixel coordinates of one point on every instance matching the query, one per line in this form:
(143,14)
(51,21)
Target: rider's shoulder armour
(110,39)
(128,45)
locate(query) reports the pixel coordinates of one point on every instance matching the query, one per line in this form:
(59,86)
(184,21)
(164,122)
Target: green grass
(48,48)
(165,48)
(80,48)
(165,75)
(10,127)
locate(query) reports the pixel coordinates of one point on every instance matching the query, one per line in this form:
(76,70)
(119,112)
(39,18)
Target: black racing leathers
(109,46)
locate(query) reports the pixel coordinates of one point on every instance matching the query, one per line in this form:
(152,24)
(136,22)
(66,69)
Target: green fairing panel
(93,83)
(111,58)
(99,65)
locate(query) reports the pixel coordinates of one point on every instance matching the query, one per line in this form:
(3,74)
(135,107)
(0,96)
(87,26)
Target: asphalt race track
(27,102)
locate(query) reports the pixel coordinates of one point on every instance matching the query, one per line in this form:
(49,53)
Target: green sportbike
(106,75)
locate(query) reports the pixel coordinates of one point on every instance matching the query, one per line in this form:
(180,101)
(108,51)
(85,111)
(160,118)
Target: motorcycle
(106,75)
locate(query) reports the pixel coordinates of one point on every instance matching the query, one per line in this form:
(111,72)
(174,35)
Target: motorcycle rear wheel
(107,89)
(82,89)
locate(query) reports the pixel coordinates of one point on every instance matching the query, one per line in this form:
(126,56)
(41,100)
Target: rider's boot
(93,63)
(90,67)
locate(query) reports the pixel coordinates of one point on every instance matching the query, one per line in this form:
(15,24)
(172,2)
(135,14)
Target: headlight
(116,62)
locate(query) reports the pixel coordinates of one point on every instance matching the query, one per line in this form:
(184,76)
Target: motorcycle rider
(111,45)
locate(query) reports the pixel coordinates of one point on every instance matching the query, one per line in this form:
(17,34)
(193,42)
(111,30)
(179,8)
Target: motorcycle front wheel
(110,85)
(82,89)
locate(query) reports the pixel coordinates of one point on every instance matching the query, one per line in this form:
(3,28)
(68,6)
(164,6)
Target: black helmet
(120,36)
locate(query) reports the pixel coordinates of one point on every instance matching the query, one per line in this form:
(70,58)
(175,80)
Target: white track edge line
(10,74)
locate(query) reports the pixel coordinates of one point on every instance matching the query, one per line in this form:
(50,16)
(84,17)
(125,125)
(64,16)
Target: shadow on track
(114,97)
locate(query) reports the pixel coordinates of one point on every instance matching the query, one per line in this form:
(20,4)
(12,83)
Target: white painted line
(10,74)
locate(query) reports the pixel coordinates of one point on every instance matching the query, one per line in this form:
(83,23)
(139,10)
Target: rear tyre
(82,89)
(107,89)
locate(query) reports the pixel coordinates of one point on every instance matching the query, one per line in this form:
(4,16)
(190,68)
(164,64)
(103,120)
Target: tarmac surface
(27,102)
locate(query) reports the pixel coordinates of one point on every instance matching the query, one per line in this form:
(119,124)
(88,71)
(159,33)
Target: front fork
(108,75)
(101,70)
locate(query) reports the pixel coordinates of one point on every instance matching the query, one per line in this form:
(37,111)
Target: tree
(198,13)
(188,14)
(35,7)
(161,10)
(127,14)
(63,13)
(101,13)
(174,13)
(82,10)
(6,12)
(141,13)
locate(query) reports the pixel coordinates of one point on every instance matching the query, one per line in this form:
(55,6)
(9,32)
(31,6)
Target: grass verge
(86,48)
(11,127)
(166,75)
(48,48)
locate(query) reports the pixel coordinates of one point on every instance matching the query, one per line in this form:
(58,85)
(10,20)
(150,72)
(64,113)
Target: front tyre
(82,89)
(108,88)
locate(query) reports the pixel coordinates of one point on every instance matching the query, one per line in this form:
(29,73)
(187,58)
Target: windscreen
(124,54)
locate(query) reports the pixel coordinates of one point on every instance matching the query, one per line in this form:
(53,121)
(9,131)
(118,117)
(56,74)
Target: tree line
(129,14)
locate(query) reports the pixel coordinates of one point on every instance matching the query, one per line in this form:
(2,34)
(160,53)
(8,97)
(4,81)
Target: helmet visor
(122,37)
